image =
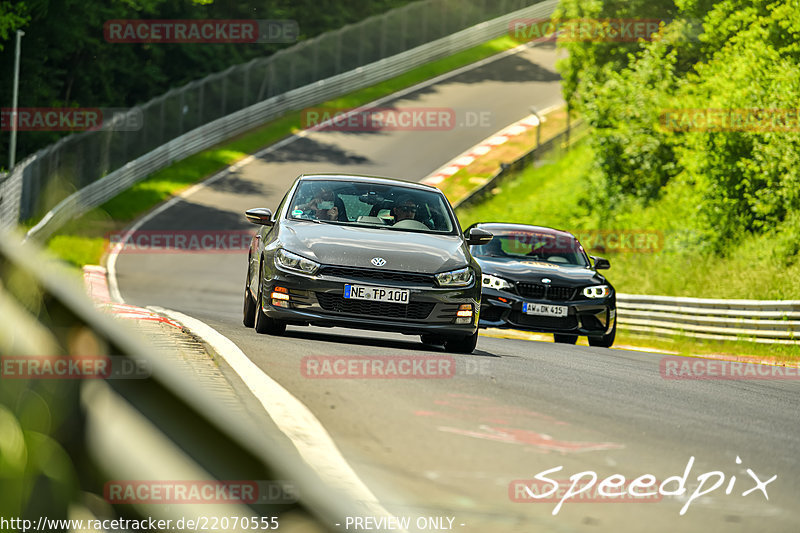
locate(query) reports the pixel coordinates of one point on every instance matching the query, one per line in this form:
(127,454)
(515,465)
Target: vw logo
(546,280)
(378,261)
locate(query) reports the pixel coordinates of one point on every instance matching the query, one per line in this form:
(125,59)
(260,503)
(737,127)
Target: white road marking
(291,416)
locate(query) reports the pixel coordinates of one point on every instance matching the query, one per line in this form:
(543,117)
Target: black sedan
(364,252)
(540,279)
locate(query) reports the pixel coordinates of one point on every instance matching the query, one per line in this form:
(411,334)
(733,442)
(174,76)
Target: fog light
(280,293)
(280,303)
(464,314)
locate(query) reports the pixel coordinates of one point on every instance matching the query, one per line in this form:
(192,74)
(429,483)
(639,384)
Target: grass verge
(82,241)
(472,176)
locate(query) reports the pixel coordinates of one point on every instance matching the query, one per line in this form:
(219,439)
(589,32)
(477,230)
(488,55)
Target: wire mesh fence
(39,182)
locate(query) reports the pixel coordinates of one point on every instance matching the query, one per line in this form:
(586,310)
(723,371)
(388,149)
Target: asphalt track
(451,447)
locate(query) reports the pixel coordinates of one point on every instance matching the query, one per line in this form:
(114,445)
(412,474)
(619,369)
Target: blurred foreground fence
(64,439)
(184,121)
(764,321)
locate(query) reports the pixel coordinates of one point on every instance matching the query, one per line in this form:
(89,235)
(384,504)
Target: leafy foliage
(744,57)
(66,61)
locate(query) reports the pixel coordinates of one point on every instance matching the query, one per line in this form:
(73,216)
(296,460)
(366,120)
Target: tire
(606,341)
(249,311)
(431,340)
(265,324)
(461,344)
(565,339)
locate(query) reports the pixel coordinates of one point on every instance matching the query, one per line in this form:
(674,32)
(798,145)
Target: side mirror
(600,263)
(260,215)
(478,237)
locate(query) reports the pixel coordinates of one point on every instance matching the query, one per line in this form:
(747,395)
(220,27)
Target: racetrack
(450,447)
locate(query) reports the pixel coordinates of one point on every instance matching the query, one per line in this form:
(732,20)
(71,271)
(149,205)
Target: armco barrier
(112,161)
(763,321)
(162,427)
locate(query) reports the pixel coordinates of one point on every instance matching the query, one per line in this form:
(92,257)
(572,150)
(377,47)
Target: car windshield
(392,207)
(533,245)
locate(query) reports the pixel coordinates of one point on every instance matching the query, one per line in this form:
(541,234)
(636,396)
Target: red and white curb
(96,283)
(484,147)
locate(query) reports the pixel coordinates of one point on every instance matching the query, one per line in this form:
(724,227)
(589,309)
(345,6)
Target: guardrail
(83,433)
(763,321)
(89,174)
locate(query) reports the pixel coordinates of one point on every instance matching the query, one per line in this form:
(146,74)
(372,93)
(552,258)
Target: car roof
(359,178)
(503,226)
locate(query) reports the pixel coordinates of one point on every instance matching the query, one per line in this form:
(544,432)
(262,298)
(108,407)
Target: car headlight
(291,261)
(598,291)
(493,282)
(455,278)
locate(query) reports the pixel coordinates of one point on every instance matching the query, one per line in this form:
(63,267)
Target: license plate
(544,309)
(378,294)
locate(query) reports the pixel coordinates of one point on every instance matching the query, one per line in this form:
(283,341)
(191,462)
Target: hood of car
(357,246)
(535,271)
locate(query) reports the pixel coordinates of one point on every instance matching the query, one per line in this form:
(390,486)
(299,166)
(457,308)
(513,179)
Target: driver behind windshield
(405,208)
(322,205)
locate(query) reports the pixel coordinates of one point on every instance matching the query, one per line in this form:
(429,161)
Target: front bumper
(586,316)
(319,301)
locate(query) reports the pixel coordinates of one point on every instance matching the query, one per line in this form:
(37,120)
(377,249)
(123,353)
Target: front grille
(377,275)
(555,293)
(339,304)
(545,322)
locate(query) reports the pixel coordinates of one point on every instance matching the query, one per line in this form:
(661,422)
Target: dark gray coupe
(364,252)
(540,279)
